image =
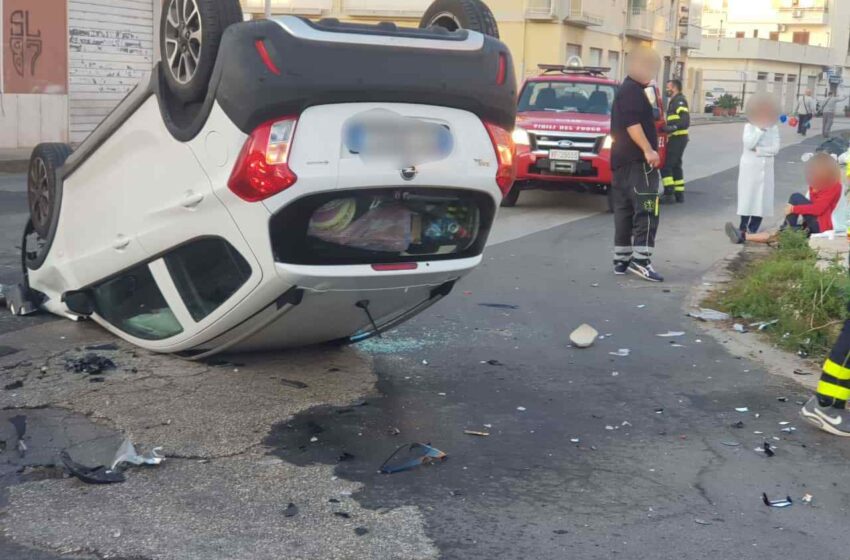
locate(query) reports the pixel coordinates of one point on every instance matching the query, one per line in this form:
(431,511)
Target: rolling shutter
(111,50)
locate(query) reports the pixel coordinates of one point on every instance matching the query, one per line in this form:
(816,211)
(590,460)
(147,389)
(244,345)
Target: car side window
(132,302)
(206,272)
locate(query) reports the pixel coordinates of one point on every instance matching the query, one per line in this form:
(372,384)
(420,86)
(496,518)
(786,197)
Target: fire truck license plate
(564,155)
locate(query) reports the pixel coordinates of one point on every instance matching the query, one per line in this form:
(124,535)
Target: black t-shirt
(631,106)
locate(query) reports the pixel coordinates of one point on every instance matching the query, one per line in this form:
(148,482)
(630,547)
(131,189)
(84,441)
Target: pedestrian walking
(755,174)
(678,122)
(829,111)
(811,213)
(805,112)
(635,162)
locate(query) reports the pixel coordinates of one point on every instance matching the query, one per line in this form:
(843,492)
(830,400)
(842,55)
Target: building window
(762,76)
(595,57)
(801,37)
(573,50)
(740,35)
(755,33)
(614,63)
(774,35)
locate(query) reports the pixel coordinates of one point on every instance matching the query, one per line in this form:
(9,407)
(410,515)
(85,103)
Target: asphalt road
(657,471)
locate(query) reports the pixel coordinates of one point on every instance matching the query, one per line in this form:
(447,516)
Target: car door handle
(121,242)
(192,200)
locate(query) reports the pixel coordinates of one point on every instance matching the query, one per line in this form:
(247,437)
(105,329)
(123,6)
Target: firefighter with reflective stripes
(826,409)
(678,122)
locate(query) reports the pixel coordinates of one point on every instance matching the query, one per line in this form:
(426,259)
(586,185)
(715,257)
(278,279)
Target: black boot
(680,196)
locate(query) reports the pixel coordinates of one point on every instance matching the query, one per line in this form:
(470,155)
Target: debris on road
(90,363)
(499,305)
(801,372)
(410,456)
(702,522)
(739,424)
(19,422)
(762,325)
(91,475)
(705,314)
(742,409)
(127,454)
(739,328)
(521,408)
(291,510)
(343,514)
(14,385)
(492,362)
(788,430)
(767,449)
(730,443)
(782,399)
(807,498)
(360,531)
(782,503)
(476,433)
(584,336)
(671,334)
(622,352)
(293,383)
(102,347)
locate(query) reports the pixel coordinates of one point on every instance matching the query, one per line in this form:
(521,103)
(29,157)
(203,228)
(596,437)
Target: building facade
(781,46)
(67,63)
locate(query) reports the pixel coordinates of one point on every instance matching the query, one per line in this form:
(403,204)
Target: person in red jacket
(813,213)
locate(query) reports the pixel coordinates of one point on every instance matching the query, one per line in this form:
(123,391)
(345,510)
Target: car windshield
(567,97)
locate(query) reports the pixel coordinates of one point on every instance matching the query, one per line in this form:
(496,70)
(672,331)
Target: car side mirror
(79,302)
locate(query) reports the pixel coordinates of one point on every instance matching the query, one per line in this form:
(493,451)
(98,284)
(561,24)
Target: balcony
(541,10)
(385,8)
(763,49)
(301,7)
(641,24)
(811,12)
(576,14)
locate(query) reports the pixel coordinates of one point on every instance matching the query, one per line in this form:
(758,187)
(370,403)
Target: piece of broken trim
(91,475)
(622,352)
(783,503)
(670,334)
(414,455)
(476,433)
(127,454)
(705,314)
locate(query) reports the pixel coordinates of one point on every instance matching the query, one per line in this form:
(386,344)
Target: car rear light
(266,57)
(502,72)
(262,169)
(505,152)
(395,266)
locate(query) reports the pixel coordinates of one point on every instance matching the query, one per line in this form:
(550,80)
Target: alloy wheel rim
(183,39)
(39,193)
(446,20)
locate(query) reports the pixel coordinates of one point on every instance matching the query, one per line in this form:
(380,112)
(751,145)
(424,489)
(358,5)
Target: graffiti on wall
(35,53)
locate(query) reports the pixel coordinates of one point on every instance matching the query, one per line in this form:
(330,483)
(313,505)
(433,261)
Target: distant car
(563,129)
(277,182)
(710,102)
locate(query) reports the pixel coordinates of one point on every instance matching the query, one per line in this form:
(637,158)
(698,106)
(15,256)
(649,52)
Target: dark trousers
(810,223)
(750,224)
(672,176)
(634,194)
(803,124)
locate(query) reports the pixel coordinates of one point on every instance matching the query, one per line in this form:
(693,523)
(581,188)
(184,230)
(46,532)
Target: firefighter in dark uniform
(678,122)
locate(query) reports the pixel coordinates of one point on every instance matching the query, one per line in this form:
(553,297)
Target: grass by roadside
(810,304)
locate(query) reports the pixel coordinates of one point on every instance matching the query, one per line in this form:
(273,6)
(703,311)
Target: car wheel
(45,160)
(510,199)
(190,33)
(461,14)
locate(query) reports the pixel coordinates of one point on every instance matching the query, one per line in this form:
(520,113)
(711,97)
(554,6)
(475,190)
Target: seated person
(812,214)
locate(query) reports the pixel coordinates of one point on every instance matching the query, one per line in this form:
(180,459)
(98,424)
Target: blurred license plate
(564,155)
(383,135)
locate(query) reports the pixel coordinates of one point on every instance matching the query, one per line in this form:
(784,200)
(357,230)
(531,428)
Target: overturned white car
(278,182)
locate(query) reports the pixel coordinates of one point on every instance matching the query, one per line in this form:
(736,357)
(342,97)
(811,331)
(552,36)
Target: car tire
(188,43)
(42,189)
(510,199)
(461,14)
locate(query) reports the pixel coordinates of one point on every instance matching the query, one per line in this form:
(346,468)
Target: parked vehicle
(563,126)
(277,182)
(710,102)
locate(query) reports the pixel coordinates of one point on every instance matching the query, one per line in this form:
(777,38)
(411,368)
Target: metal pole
(268,9)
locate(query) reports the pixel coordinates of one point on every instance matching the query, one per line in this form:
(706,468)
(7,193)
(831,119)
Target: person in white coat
(755,176)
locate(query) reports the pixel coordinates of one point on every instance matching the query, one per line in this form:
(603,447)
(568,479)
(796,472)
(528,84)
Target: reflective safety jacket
(678,115)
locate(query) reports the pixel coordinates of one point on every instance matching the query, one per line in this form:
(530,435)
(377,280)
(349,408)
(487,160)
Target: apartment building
(782,46)
(546,31)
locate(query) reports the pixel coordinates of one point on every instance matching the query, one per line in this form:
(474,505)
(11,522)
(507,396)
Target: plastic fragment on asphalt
(767,449)
(730,443)
(314,439)
(584,336)
(807,498)
(615,373)
(739,328)
(90,363)
(762,325)
(492,362)
(91,475)
(291,510)
(739,424)
(575,440)
(670,334)
(801,372)
(784,423)
(499,305)
(521,408)
(781,503)
(410,456)
(127,454)
(742,409)
(14,385)
(476,433)
(702,522)
(622,352)
(705,314)
(782,399)
(295,384)
(789,430)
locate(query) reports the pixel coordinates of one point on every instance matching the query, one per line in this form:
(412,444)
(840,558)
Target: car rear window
(132,302)
(567,97)
(382,226)
(206,272)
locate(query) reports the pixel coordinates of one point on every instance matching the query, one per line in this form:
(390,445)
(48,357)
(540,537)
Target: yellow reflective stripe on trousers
(668,181)
(680,186)
(679,133)
(836,370)
(835,391)
(673,118)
